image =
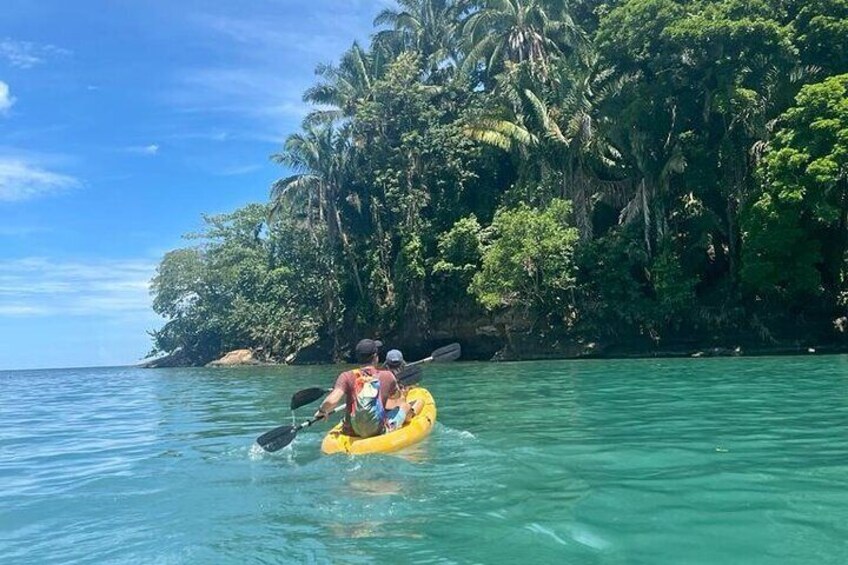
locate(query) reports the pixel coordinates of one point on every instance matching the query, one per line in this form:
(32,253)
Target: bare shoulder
(385,373)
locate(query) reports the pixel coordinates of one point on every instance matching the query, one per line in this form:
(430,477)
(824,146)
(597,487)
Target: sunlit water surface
(673,461)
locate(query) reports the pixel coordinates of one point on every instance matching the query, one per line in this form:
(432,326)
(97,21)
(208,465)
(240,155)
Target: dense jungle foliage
(644,171)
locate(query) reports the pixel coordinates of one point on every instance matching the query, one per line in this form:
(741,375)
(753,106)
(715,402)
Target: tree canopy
(655,170)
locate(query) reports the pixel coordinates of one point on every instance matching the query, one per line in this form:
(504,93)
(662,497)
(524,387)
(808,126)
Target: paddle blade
(307,396)
(277,438)
(410,375)
(449,352)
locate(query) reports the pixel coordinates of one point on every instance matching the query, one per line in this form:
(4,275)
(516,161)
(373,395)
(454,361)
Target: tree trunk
(737,182)
(383,248)
(416,310)
(337,235)
(842,232)
(576,188)
(646,217)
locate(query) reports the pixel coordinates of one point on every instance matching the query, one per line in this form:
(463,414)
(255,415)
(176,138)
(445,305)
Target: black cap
(366,349)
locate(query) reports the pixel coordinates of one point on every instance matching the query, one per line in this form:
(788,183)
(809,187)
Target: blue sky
(120,124)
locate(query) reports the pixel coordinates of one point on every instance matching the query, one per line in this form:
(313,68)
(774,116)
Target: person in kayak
(374,401)
(394,361)
(397,418)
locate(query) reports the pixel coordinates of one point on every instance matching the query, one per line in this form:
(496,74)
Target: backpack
(368,414)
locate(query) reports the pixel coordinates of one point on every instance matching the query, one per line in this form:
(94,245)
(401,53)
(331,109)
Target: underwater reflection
(418,453)
(375,487)
(372,529)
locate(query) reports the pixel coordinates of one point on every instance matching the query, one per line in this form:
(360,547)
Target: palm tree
(429,27)
(518,31)
(656,166)
(320,158)
(345,87)
(562,126)
(309,155)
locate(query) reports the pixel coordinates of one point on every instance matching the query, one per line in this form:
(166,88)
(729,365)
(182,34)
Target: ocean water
(696,461)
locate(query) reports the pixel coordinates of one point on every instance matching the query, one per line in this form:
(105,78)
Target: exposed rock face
(235,358)
(175,359)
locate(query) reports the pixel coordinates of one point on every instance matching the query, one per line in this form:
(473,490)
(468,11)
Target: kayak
(412,432)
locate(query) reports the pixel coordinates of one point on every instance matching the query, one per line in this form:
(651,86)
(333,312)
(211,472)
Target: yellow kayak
(412,432)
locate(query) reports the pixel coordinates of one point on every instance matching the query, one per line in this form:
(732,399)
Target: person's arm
(398,391)
(335,396)
(330,402)
(394,394)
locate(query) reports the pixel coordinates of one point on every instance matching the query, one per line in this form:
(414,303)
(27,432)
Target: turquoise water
(620,462)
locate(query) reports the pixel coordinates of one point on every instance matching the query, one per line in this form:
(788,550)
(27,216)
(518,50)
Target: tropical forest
(544,178)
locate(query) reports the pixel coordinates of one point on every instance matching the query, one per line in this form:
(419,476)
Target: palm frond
(291,184)
(501,133)
(539,109)
(387,16)
(320,117)
(321,93)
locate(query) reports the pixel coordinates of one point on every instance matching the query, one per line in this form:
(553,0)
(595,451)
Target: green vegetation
(643,171)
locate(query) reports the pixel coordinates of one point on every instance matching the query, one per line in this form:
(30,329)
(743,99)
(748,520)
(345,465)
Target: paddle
(443,354)
(307,396)
(410,375)
(281,436)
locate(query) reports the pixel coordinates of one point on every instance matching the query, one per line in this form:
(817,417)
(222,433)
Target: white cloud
(25,54)
(22,180)
(207,135)
(265,37)
(20,310)
(238,170)
(151,149)
(40,287)
(7,230)
(263,62)
(6,99)
(254,93)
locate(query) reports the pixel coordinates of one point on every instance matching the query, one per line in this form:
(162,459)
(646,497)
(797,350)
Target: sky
(121,123)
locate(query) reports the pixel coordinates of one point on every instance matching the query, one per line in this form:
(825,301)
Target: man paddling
(374,403)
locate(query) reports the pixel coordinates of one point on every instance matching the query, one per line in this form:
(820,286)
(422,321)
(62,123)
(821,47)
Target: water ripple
(679,461)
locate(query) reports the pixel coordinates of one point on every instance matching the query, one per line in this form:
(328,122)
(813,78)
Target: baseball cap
(367,348)
(394,358)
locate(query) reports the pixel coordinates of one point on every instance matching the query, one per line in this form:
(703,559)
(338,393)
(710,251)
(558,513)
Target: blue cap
(394,358)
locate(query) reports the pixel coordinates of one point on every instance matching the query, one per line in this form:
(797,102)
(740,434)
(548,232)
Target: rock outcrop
(236,358)
(175,359)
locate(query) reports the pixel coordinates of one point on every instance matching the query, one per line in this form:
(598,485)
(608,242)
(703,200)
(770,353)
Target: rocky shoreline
(522,350)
